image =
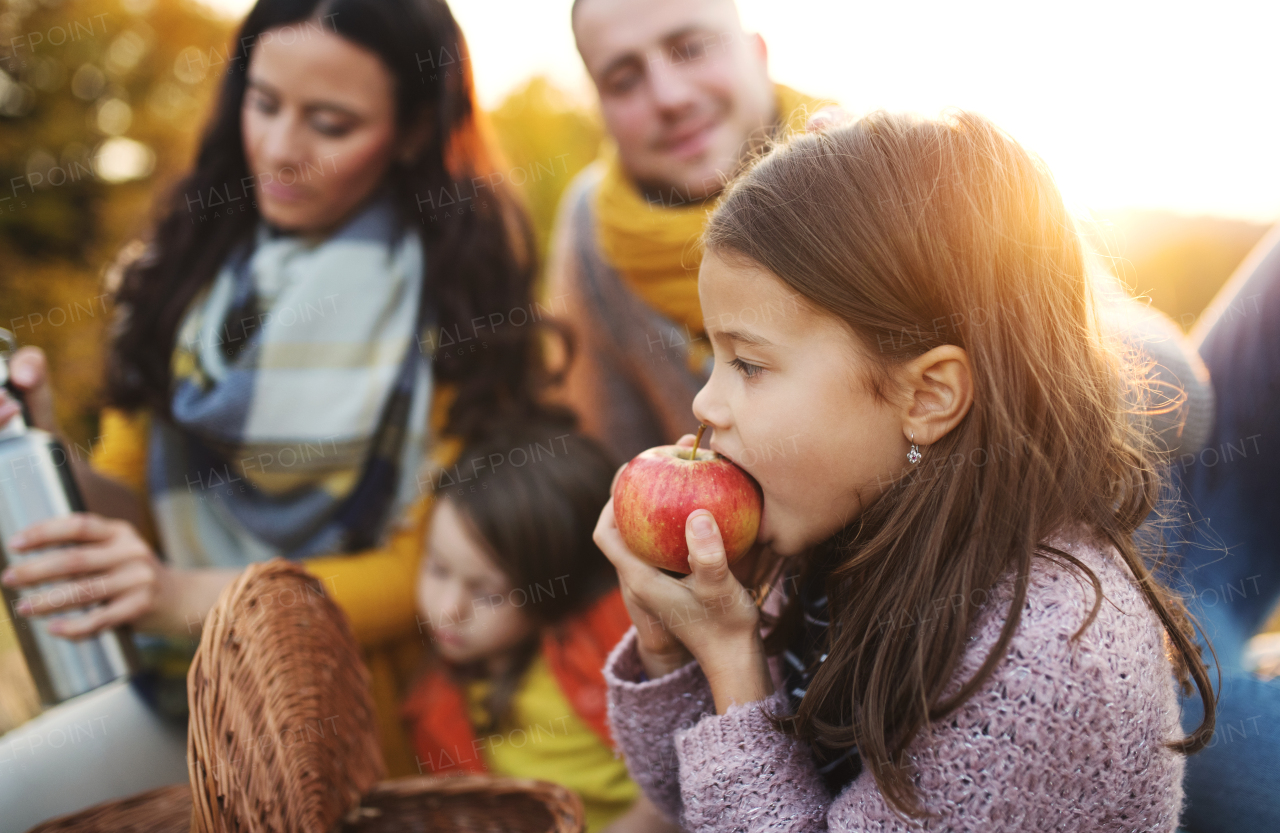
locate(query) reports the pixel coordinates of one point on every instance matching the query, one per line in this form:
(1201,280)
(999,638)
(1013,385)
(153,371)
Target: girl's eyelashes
(476,588)
(747,369)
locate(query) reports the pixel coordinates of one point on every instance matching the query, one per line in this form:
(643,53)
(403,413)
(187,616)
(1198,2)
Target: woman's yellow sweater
(375,588)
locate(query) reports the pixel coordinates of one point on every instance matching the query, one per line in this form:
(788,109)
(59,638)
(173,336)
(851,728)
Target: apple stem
(693,455)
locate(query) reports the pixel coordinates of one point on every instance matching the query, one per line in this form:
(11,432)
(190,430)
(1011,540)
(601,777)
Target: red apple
(658,490)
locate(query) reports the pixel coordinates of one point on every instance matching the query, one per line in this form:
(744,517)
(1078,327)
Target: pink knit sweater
(1064,736)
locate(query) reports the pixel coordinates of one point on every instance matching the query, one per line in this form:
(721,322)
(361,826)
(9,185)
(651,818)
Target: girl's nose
(449,604)
(709,408)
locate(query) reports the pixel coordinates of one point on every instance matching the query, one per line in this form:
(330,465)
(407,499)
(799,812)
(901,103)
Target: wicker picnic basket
(164,810)
(282,737)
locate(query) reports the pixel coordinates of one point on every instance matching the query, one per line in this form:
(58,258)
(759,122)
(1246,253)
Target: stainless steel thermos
(36,484)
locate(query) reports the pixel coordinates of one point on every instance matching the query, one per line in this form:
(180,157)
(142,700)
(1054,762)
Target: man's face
(682,88)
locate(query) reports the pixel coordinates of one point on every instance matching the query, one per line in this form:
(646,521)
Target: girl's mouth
(742,468)
(761,535)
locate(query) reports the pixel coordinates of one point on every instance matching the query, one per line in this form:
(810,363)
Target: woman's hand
(101,562)
(708,615)
(29,373)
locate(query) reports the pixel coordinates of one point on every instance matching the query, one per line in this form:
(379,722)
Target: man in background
(687,100)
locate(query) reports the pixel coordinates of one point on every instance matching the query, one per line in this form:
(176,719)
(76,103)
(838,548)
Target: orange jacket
(436,709)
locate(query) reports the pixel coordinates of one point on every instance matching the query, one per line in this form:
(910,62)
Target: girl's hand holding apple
(708,615)
(654,494)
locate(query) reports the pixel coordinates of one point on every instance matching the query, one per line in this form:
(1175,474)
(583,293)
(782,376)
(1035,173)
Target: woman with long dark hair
(306,322)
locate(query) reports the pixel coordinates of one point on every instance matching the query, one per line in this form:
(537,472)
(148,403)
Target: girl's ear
(939,385)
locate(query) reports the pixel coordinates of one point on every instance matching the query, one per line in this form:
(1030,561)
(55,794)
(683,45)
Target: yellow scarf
(657,248)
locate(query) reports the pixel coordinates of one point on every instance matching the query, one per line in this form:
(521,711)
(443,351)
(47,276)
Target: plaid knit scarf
(300,398)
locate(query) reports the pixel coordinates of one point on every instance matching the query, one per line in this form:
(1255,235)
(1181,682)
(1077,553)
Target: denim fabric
(1230,553)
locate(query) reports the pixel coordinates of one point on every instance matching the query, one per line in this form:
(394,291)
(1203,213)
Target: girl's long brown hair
(919,233)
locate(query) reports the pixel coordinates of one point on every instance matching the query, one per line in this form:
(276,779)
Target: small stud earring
(914,455)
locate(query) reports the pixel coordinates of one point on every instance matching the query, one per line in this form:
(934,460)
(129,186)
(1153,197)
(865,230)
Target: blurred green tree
(98,101)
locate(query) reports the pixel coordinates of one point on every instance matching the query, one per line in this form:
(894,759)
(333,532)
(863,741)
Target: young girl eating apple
(959,631)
